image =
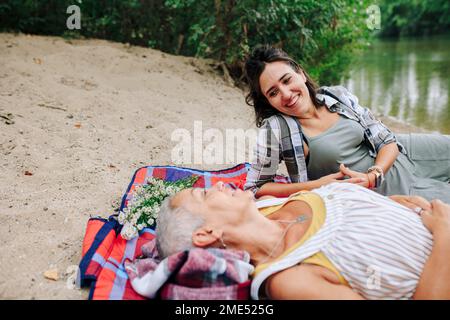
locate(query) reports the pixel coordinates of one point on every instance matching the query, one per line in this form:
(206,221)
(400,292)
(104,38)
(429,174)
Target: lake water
(408,79)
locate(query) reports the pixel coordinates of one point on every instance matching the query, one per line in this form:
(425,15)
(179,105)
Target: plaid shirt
(268,152)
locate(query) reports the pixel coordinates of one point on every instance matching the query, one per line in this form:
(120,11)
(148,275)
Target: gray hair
(174,228)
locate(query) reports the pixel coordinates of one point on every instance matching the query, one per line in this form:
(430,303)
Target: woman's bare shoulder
(306,281)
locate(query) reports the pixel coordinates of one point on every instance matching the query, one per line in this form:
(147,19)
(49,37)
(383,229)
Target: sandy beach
(77,118)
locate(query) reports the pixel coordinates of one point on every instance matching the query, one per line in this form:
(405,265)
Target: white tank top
(379,246)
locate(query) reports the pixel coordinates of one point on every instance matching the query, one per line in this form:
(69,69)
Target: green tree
(322,35)
(414,17)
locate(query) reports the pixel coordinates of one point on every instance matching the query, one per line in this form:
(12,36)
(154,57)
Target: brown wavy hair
(254,67)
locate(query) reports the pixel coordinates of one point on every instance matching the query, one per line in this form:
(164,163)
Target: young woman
(324,135)
(341,241)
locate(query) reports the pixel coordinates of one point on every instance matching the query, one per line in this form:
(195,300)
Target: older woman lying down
(340,241)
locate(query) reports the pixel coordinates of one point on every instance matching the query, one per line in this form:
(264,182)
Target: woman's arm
(382,139)
(379,134)
(286,189)
(434,281)
(266,158)
(385,159)
(387,156)
(415,203)
(307,282)
(280,190)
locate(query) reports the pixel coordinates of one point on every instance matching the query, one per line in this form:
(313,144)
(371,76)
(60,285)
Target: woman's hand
(415,203)
(337,177)
(434,281)
(364,179)
(437,220)
(435,214)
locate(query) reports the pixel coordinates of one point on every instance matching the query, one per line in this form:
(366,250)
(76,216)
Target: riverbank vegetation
(414,17)
(322,35)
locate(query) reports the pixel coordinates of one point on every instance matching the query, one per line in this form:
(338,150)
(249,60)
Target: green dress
(424,172)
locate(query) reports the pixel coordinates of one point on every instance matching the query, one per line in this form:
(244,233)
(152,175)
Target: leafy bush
(321,35)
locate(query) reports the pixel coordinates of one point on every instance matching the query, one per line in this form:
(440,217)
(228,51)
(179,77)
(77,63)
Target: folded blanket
(197,274)
(105,251)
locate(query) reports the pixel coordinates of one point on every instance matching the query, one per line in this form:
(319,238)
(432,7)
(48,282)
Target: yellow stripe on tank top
(318,219)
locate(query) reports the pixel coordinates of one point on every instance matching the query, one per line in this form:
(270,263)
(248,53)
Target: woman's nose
(285,93)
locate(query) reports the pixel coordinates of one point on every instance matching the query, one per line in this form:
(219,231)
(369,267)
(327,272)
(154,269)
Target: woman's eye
(272,94)
(286,81)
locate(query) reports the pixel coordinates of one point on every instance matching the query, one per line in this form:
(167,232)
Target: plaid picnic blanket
(196,274)
(104,251)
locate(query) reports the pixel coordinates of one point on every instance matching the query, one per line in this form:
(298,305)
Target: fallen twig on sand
(43,105)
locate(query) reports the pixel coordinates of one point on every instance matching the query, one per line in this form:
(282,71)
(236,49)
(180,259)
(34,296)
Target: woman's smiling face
(285,89)
(217,204)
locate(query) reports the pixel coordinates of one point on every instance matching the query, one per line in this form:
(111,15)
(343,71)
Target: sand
(77,118)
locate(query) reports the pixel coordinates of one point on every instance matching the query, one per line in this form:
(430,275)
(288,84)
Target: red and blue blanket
(105,251)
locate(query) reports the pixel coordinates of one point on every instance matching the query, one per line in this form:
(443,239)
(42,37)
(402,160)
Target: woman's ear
(205,236)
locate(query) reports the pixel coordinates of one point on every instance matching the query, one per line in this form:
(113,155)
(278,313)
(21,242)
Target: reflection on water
(407,79)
